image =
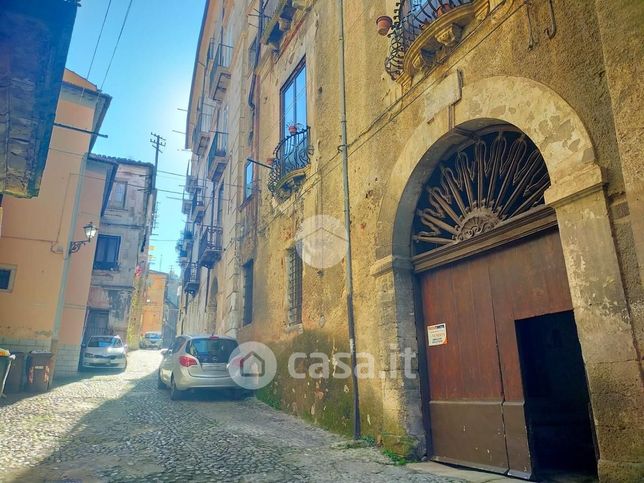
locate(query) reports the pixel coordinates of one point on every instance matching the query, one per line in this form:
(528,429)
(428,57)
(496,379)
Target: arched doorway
(506,388)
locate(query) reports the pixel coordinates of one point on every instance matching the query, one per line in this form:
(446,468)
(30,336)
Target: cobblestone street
(120,427)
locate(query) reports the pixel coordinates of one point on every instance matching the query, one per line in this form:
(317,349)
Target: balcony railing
(210,245)
(186,204)
(191,278)
(187,237)
(203,124)
(220,71)
(291,156)
(191,183)
(217,156)
(198,206)
(411,21)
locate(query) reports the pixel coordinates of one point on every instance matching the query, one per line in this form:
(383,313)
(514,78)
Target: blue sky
(149,82)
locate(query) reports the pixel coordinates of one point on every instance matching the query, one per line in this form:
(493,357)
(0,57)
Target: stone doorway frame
(577,195)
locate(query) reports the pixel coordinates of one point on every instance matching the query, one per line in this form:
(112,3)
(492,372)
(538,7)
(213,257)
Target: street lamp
(90,232)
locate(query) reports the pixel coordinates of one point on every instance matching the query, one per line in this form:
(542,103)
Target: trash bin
(5,364)
(38,371)
(16,375)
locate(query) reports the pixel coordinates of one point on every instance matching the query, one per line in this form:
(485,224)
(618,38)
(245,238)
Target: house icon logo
(252,365)
(321,241)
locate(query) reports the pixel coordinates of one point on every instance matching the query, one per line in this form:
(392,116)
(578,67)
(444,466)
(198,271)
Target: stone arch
(535,109)
(604,324)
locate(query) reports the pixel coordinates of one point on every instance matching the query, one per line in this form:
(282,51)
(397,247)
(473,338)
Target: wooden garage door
(476,401)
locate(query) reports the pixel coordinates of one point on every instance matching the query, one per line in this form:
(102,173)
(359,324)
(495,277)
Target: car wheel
(160,383)
(175,394)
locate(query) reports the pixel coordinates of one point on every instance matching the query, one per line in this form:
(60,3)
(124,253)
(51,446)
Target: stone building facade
(121,259)
(495,193)
(219,201)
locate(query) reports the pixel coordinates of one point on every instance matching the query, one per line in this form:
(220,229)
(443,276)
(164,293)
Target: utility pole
(157,143)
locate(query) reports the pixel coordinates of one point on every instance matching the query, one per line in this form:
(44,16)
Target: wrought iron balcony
(198,206)
(423,29)
(210,246)
(291,156)
(280,15)
(191,183)
(191,278)
(220,70)
(217,156)
(203,124)
(187,237)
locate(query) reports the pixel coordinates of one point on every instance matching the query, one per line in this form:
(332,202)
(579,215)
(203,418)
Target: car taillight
(187,361)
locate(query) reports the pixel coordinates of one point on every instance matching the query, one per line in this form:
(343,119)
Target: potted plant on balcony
(293,128)
(443,9)
(384,24)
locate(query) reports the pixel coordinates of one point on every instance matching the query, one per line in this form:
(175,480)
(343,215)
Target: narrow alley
(120,427)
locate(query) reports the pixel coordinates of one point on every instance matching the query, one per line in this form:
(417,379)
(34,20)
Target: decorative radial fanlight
(484,183)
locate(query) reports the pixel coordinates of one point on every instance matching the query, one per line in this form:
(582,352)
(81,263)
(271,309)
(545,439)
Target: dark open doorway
(557,406)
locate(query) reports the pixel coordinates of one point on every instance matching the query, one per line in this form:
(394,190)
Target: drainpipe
(67,258)
(347,225)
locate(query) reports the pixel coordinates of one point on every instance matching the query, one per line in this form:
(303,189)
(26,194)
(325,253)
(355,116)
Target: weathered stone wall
(572,91)
(113,289)
(559,92)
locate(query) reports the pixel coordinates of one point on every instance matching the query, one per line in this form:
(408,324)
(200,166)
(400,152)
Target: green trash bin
(16,376)
(5,364)
(38,371)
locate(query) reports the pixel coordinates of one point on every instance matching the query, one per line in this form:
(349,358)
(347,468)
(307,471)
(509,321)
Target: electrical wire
(118,39)
(100,34)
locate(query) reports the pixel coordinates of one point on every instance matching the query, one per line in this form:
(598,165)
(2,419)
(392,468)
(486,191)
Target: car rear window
(100,342)
(152,336)
(211,350)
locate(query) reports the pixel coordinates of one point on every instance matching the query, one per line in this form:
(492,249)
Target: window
(248,292)
(294,267)
(117,197)
(212,350)
(248,180)
(220,204)
(107,252)
(7,275)
(293,100)
(106,341)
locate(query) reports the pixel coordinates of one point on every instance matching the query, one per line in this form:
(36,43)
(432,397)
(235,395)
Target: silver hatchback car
(196,362)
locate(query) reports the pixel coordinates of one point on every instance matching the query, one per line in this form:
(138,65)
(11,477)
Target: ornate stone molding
(579,182)
(444,32)
(388,264)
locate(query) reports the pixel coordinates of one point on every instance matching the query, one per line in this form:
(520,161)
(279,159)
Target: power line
(99,39)
(127,12)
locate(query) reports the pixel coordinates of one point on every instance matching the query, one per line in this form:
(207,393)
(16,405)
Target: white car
(151,340)
(104,351)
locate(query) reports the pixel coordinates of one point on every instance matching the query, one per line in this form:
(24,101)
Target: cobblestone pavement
(120,427)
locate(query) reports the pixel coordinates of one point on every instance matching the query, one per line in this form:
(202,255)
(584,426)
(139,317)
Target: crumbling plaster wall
(382,121)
